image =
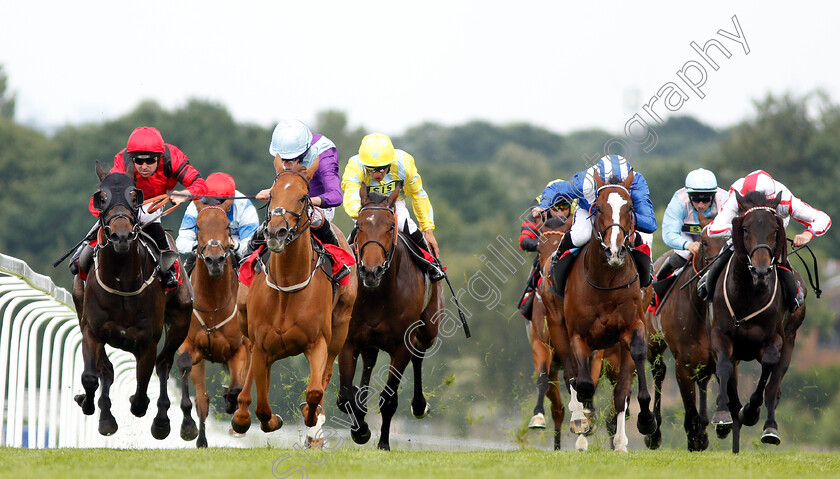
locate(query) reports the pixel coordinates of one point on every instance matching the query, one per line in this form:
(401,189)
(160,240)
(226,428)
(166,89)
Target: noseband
(761,245)
(600,234)
(296,231)
(213,243)
(106,226)
(389,252)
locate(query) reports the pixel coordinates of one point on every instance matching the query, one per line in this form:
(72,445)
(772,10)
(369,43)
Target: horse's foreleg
(419,406)
(107,422)
(177,318)
(656,348)
(388,398)
(185,363)
(145,365)
(202,400)
(369,357)
(692,425)
(646,422)
(558,412)
(347,393)
(316,354)
(90,375)
(261,370)
(722,346)
(238,367)
(581,387)
(774,392)
(621,398)
(241,420)
(749,414)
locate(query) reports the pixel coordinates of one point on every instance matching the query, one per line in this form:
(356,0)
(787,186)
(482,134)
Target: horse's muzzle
(760,274)
(371,277)
(615,258)
(215,265)
(275,239)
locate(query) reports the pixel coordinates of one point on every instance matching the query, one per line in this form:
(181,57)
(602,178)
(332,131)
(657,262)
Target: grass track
(350,462)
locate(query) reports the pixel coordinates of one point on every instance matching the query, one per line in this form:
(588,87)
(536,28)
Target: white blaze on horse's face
(616,202)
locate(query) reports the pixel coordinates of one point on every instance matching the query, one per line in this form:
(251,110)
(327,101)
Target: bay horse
(124,305)
(758,325)
(683,322)
(397,311)
(602,308)
(291,307)
(214,333)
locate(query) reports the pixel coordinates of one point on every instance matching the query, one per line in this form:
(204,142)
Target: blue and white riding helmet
(613,165)
(291,139)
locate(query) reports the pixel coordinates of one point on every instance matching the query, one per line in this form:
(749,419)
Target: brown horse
(124,305)
(396,311)
(756,326)
(291,307)
(602,308)
(214,332)
(683,322)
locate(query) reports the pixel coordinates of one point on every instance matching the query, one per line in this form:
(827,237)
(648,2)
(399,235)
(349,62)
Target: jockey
(242,217)
(529,241)
(380,166)
(158,168)
(816,222)
(292,141)
(681,223)
(582,188)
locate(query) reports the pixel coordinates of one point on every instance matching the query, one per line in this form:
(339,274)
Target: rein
(729,305)
(117,292)
(585,275)
(280,211)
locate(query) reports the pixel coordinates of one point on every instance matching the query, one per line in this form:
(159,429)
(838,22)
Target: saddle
(336,263)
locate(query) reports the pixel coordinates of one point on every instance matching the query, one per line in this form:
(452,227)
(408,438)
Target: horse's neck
(218,289)
(596,262)
(391,276)
(294,264)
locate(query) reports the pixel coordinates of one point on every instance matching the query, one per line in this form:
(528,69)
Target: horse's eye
(303,200)
(391,228)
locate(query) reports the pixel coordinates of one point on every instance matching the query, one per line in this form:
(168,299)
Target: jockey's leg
(561,261)
(257,240)
(793,294)
(641,256)
(706,285)
(322,229)
(189,263)
(155,230)
(664,276)
(84,254)
(526,302)
(434,273)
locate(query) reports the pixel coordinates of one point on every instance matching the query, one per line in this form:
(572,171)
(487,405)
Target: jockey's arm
(419,199)
(640,194)
(721,226)
(351,183)
(672,222)
(247,224)
(186,233)
(816,221)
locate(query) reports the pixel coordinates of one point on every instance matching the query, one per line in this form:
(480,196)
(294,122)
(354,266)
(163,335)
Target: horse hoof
(580,426)
(239,429)
(361,437)
(266,427)
(581,444)
(108,426)
(722,418)
(423,414)
(189,431)
(201,443)
(723,430)
(160,428)
(646,425)
(749,419)
(384,446)
(313,443)
(537,422)
(621,448)
(138,408)
(771,436)
(654,440)
(87,408)
(699,443)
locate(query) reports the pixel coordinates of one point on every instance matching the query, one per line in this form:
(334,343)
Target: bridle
(308,208)
(213,243)
(594,210)
(389,252)
(760,246)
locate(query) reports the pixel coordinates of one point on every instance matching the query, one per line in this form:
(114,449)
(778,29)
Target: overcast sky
(394,64)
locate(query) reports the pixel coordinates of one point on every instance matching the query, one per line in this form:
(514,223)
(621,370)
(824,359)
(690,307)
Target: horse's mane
(554,222)
(294,166)
(614,180)
(375,198)
(211,201)
(757,198)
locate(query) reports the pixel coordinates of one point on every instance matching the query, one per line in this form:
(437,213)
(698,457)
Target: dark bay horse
(124,305)
(396,311)
(683,322)
(214,331)
(751,322)
(602,308)
(291,308)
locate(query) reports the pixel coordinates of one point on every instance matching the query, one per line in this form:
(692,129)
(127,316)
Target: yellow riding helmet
(376,150)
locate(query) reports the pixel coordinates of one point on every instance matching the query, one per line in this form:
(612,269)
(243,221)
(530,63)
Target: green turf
(350,462)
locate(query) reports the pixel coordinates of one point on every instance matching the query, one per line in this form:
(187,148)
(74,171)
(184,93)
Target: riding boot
(325,233)
(84,253)
(644,265)
(168,278)
(257,240)
(526,302)
(189,263)
(431,269)
(560,265)
(793,294)
(664,278)
(706,285)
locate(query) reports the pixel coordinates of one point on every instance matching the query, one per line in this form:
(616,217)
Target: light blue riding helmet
(291,138)
(613,165)
(700,181)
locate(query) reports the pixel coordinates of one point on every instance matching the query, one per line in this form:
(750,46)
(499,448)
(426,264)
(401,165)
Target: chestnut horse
(124,305)
(683,322)
(756,326)
(291,307)
(214,332)
(396,311)
(602,308)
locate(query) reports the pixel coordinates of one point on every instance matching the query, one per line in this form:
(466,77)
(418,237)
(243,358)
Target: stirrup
(169,279)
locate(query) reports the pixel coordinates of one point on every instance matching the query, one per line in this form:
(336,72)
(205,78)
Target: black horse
(124,305)
(750,319)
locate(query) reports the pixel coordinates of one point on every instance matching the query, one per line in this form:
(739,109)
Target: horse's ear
(278,164)
(598,181)
(703,220)
(780,254)
(363,195)
(129,170)
(738,236)
(629,180)
(199,205)
(100,171)
(310,172)
(395,195)
(226,204)
(774,203)
(742,202)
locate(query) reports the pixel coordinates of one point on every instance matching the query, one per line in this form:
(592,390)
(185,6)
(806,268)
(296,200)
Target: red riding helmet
(145,138)
(220,184)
